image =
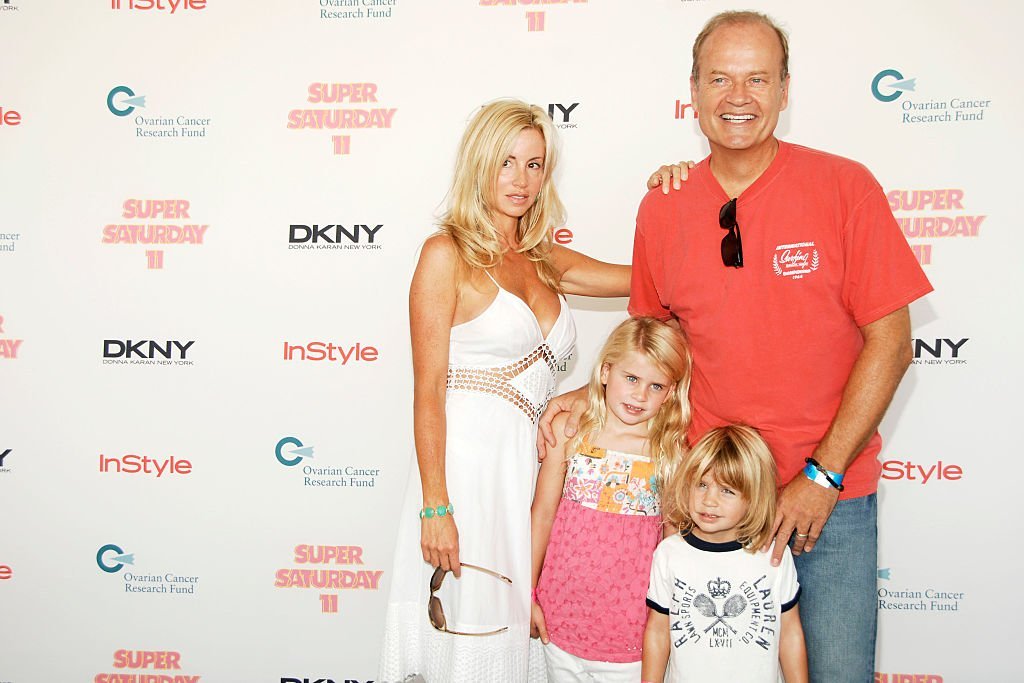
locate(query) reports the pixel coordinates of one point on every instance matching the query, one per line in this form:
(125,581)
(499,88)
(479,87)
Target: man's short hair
(733,18)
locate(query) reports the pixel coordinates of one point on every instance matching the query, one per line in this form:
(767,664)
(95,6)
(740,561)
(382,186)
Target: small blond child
(718,609)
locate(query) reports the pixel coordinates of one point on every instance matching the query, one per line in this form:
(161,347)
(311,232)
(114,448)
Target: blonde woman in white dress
(489,324)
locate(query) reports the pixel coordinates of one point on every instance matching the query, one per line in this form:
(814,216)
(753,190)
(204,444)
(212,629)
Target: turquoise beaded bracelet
(440,511)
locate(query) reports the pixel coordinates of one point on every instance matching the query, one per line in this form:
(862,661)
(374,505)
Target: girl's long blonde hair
(739,458)
(485,145)
(667,348)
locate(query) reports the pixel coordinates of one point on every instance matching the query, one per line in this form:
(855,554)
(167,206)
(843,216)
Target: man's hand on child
(801,512)
(574,403)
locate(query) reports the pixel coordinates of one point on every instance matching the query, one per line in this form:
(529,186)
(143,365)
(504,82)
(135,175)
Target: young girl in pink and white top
(596,518)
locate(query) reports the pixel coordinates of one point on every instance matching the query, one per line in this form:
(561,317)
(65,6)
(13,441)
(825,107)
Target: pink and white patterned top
(593,585)
(612,481)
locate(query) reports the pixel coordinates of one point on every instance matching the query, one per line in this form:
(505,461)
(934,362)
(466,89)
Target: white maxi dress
(501,373)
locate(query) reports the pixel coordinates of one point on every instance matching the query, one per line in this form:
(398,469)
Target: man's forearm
(872,383)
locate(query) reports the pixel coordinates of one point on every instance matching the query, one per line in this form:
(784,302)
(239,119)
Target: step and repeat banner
(209,215)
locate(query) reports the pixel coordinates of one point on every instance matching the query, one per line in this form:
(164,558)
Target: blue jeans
(839,601)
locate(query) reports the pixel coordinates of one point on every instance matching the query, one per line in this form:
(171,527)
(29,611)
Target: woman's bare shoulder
(439,248)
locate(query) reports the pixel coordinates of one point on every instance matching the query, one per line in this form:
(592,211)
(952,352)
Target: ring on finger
(802,535)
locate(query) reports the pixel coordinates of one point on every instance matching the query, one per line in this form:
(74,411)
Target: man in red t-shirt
(788,273)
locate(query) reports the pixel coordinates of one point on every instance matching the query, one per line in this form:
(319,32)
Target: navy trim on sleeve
(656,607)
(792,603)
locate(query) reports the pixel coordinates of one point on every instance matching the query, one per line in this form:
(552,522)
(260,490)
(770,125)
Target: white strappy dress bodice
(501,374)
(504,352)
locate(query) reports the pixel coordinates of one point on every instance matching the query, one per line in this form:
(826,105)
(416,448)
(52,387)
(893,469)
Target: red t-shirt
(774,341)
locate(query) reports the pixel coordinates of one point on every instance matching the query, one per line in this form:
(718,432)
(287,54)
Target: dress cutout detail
(521,383)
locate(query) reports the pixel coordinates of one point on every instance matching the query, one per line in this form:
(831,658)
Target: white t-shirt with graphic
(724,606)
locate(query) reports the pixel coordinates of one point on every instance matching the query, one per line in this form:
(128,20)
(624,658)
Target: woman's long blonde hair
(739,458)
(667,348)
(469,222)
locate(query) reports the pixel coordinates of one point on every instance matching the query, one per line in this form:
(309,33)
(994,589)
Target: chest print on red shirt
(795,260)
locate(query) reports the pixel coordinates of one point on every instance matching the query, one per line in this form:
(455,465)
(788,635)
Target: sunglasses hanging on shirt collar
(732,245)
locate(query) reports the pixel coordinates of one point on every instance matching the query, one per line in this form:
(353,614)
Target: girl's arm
(792,651)
(585,276)
(432,300)
(546,497)
(656,647)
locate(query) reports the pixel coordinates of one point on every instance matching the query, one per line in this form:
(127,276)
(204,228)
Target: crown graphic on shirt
(719,587)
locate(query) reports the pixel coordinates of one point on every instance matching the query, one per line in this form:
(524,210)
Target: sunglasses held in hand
(436,612)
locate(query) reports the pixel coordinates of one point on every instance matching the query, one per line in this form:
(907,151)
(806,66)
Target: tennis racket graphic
(733,607)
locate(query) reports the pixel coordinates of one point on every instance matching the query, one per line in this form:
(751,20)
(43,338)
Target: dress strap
(488,274)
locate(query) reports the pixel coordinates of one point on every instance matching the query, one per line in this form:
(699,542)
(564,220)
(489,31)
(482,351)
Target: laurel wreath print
(815,262)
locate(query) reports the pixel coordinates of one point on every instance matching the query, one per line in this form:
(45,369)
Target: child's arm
(656,647)
(792,651)
(548,493)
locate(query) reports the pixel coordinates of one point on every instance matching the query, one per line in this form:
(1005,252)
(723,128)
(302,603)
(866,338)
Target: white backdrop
(193,569)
